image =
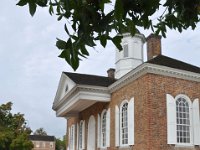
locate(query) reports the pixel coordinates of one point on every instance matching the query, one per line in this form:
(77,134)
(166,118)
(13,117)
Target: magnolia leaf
(42,3)
(75,63)
(117,41)
(103,40)
(51,11)
(119,10)
(22,3)
(59,18)
(84,51)
(61,44)
(32,8)
(66,55)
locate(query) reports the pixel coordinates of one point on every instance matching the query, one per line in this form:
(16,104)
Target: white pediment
(65,85)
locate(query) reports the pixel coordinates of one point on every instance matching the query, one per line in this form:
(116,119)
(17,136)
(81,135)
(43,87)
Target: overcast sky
(30,69)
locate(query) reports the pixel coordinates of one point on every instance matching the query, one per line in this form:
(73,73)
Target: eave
(80,98)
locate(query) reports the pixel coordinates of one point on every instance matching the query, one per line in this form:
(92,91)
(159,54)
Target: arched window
(103,129)
(124,124)
(183,121)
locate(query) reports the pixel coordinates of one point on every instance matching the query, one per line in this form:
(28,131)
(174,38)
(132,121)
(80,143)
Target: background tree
(40,131)
(88,21)
(13,130)
(61,144)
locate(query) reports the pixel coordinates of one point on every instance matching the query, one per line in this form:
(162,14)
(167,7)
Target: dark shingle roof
(86,79)
(173,63)
(41,138)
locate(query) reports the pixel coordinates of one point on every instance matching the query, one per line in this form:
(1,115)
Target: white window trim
(120,123)
(172,124)
(191,124)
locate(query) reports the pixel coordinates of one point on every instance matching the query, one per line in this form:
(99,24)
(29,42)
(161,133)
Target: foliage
(13,130)
(61,144)
(40,131)
(88,21)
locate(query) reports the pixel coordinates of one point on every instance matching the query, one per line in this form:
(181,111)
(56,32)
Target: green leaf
(22,3)
(117,41)
(61,44)
(103,40)
(74,62)
(60,17)
(119,10)
(51,11)
(66,55)
(131,27)
(66,30)
(32,8)
(84,51)
(42,3)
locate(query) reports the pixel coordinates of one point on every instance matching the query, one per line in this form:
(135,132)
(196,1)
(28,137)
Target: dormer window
(125,48)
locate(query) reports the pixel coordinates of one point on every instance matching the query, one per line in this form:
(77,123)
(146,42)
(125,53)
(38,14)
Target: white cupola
(132,54)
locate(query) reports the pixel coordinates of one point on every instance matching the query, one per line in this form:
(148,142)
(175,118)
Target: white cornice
(154,69)
(83,92)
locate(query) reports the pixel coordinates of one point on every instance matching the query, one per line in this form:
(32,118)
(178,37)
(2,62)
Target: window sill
(184,145)
(103,148)
(124,146)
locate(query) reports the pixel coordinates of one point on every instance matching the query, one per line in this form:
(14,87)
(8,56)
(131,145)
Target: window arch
(124,123)
(183,119)
(103,128)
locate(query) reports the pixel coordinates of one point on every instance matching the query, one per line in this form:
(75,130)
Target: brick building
(41,142)
(152,105)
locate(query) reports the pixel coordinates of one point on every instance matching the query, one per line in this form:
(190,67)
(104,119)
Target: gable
(64,86)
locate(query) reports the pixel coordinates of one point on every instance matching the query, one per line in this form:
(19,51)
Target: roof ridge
(84,74)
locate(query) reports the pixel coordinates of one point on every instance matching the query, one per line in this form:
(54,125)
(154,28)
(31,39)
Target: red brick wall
(149,92)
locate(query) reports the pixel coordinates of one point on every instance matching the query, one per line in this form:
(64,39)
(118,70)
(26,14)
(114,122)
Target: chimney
(153,46)
(111,73)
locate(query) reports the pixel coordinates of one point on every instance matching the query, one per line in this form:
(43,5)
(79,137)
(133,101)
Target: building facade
(41,142)
(152,105)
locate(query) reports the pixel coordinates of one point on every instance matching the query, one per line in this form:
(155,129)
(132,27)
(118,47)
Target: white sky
(30,69)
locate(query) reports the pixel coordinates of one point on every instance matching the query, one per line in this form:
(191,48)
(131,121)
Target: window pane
(124,123)
(103,130)
(183,121)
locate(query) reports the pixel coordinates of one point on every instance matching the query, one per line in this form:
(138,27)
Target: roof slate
(173,63)
(85,79)
(41,138)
